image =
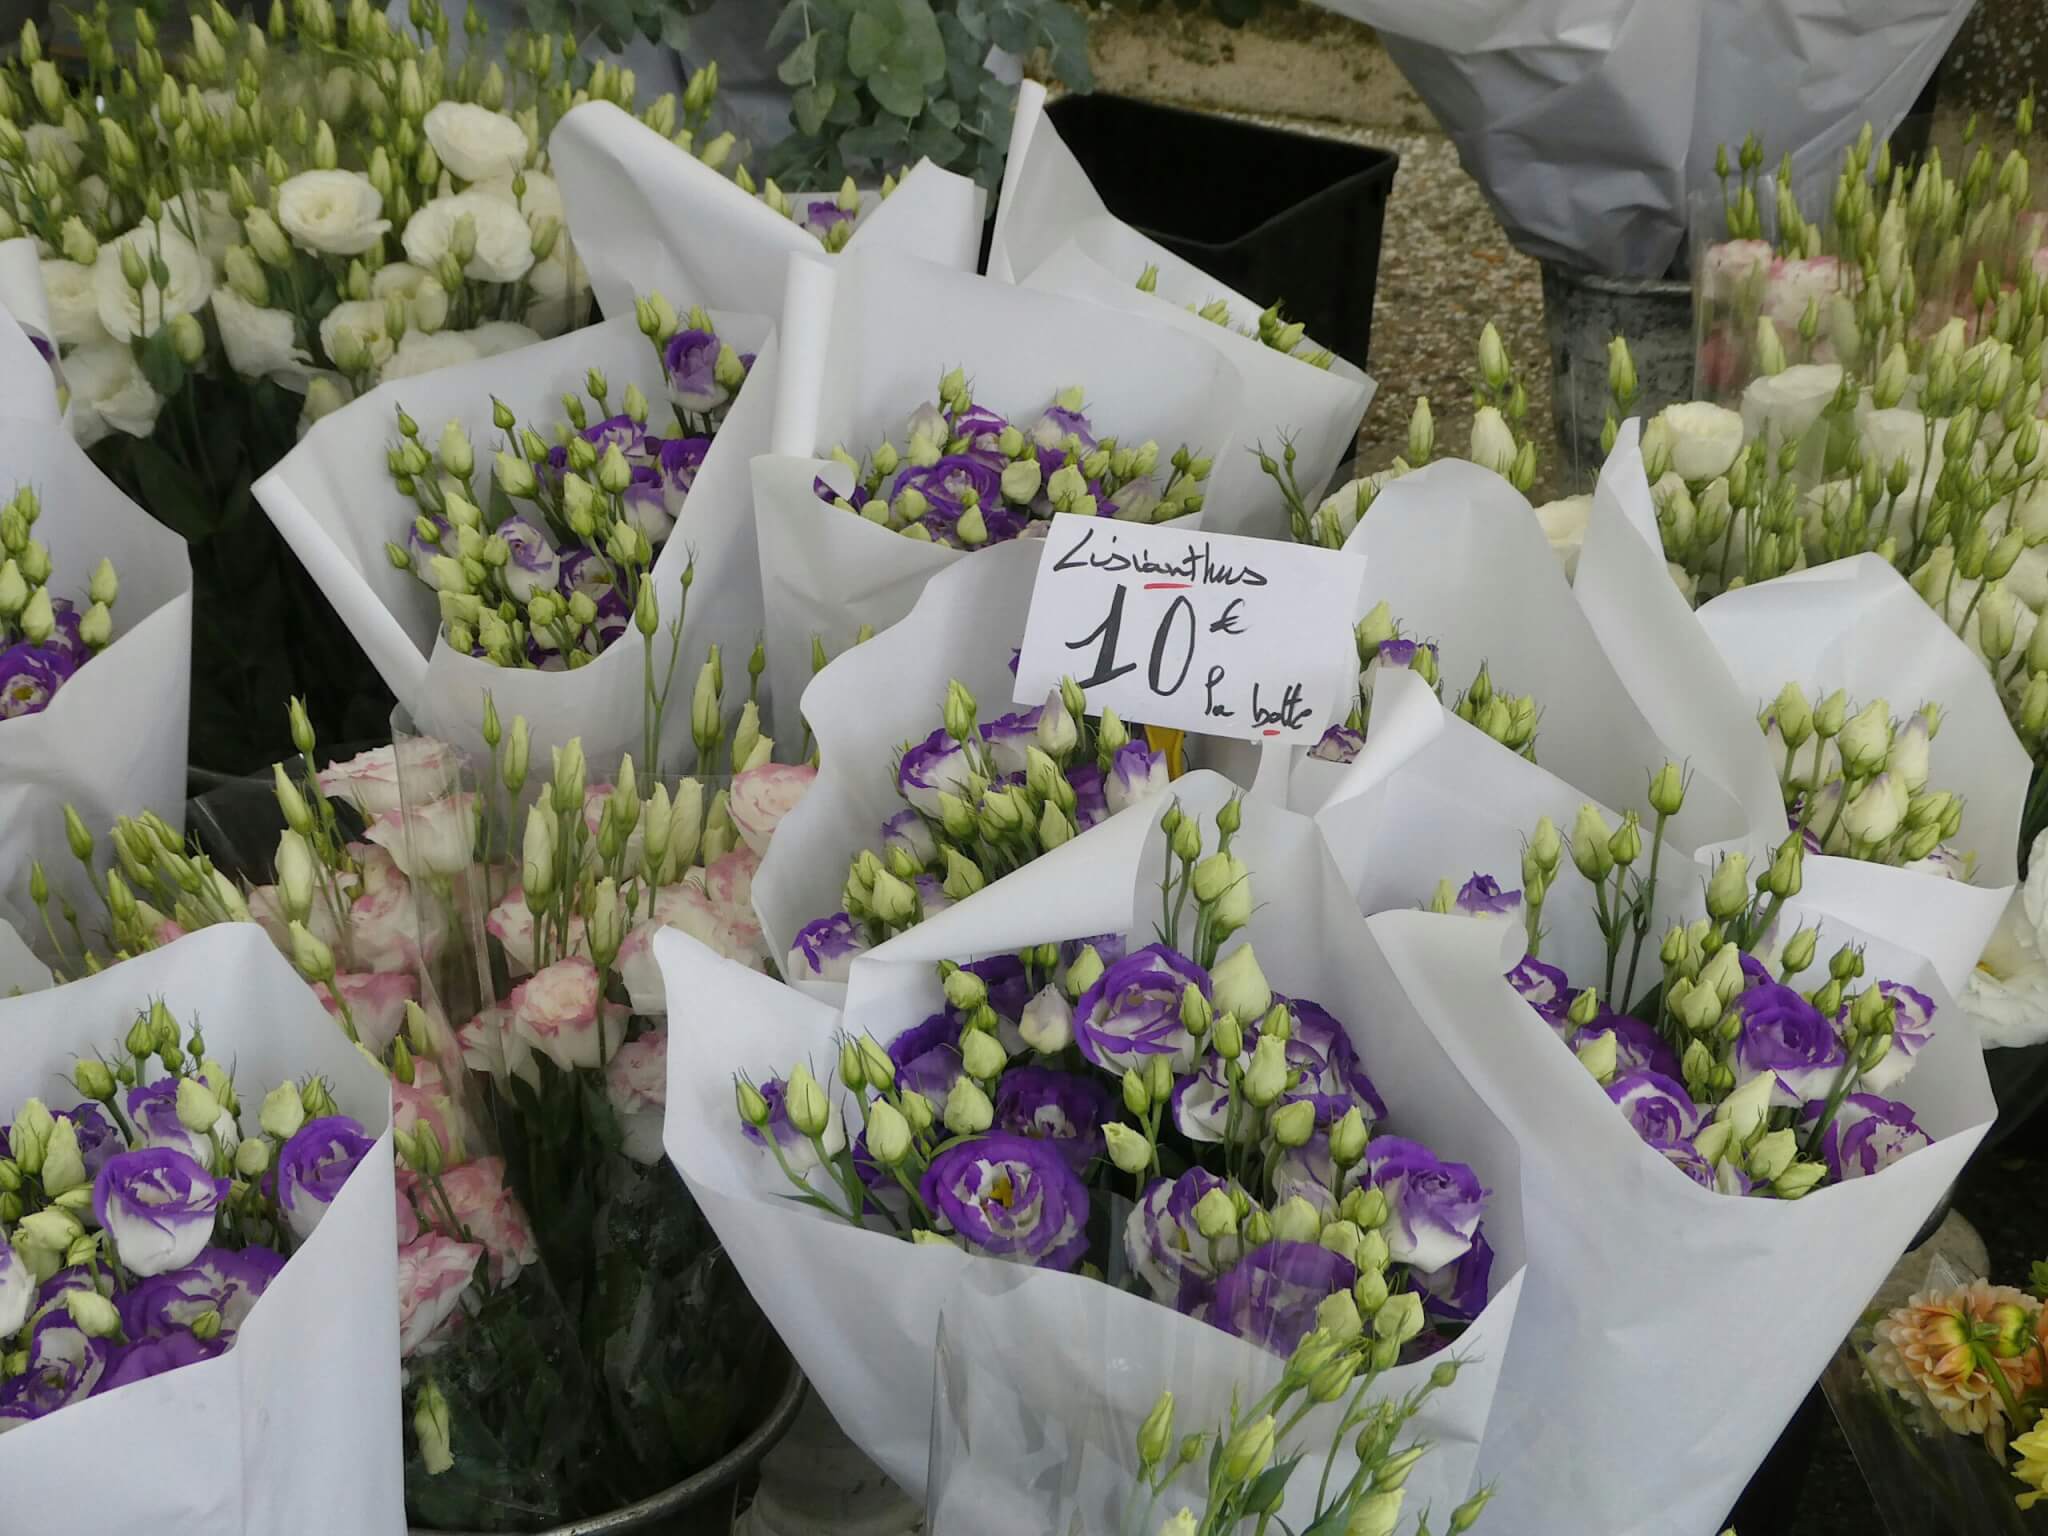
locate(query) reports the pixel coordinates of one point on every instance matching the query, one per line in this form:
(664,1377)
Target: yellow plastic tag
(1170,743)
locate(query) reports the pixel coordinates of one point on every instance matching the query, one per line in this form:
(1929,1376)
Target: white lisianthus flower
(504,243)
(73,302)
(559,292)
(421,352)
(336,212)
(542,200)
(91,196)
(326,393)
(1687,584)
(1705,439)
(1493,445)
(474,142)
(495,336)
(397,280)
(205,220)
(261,343)
(1564,525)
(1730,263)
(1790,402)
(365,317)
(53,145)
(108,393)
(2007,994)
(125,312)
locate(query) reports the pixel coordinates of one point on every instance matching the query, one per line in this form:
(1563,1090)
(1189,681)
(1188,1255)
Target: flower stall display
(1207,1094)
(198,1219)
(95,634)
(1642,1106)
(271,218)
(865,340)
(1054,233)
(649,214)
(614,548)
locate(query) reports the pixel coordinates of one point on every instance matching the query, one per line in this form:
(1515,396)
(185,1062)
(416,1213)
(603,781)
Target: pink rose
(556,1012)
(388,929)
(489,1213)
(511,924)
(637,1084)
(426,1100)
(438,838)
(433,1272)
(762,796)
(370,783)
(376,1004)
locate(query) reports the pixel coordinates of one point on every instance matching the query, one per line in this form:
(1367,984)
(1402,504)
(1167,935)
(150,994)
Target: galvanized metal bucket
(686,1508)
(1582,312)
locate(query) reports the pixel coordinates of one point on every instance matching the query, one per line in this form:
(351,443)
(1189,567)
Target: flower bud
(1728,890)
(1247,1451)
(1667,790)
(1293,1124)
(1128,1149)
(1589,844)
(968,1110)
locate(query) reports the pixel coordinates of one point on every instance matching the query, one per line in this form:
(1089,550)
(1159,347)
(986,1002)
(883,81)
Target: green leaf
(801,67)
(674,30)
(881,142)
(161,365)
(945,112)
(808,105)
(794,18)
(1066,42)
(1270,1482)
(895,47)
(935,142)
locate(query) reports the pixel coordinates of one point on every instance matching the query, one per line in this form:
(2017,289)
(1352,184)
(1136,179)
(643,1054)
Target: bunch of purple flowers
(1746,1082)
(1266,1200)
(553,561)
(980,800)
(967,477)
(44,639)
(140,1226)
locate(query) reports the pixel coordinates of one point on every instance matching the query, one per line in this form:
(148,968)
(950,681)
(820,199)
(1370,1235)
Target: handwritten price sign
(1208,632)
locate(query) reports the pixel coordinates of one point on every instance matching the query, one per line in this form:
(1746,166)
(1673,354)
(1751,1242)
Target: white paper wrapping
(1590,123)
(649,217)
(1054,232)
(296,1427)
(337,506)
(865,340)
(20,970)
(1856,624)
(21,290)
(823,1283)
(112,742)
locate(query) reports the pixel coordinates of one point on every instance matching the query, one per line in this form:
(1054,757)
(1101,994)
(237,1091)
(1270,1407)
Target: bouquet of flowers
(184,1240)
(865,336)
(1054,233)
(1001,1110)
(1942,1401)
(1644,1114)
(87,714)
(648,214)
(513,569)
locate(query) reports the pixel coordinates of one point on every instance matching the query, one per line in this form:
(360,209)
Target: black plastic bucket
(1273,213)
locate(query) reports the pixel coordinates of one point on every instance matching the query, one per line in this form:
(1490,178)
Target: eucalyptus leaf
(801,66)
(808,105)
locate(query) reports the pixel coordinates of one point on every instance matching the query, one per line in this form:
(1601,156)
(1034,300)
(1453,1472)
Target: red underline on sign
(1271,731)
(1167,586)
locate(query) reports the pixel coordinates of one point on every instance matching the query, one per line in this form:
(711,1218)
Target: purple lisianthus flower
(17,1291)
(98,1141)
(1064,1108)
(222,1281)
(1270,1295)
(796,1148)
(692,364)
(1132,1012)
(1434,1206)
(1010,735)
(158,1206)
(1109,948)
(313,1166)
(30,676)
(1868,1134)
(1012,1198)
(1637,1046)
(67,638)
(1482,896)
(423,550)
(1543,987)
(935,765)
(1164,1247)
(931,894)
(1659,1108)
(1009,988)
(979,427)
(1685,1157)
(1201,1103)
(534,566)
(646,503)
(681,458)
(824,949)
(1339,744)
(913,834)
(1457,1293)
(1136,774)
(1333,1070)
(947,484)
(1912,1028)
(822,215)
(1091,800)
(628,435)
(152,1357)
(1783,1033)
(585,571)
(1050,432)
(927,1056)
(64,1365)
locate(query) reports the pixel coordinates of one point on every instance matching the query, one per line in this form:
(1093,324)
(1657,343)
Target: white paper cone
(1054,232)
(20,970)
(22,295)
(649,217)
(294,1428)
(336,505)
(1856,624)
(865,340)
(823,1283)
(112,742)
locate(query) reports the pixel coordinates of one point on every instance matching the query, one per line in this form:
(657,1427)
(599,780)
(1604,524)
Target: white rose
(108,393)
(366,318)
(73,302)
(1705,439)
(126,313)
(1789,403)
(474,142)
(332,211)
(261,343)
(495,336)
(543,199)
(1564,524)
(422,353)
(504,244)
(52,145)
